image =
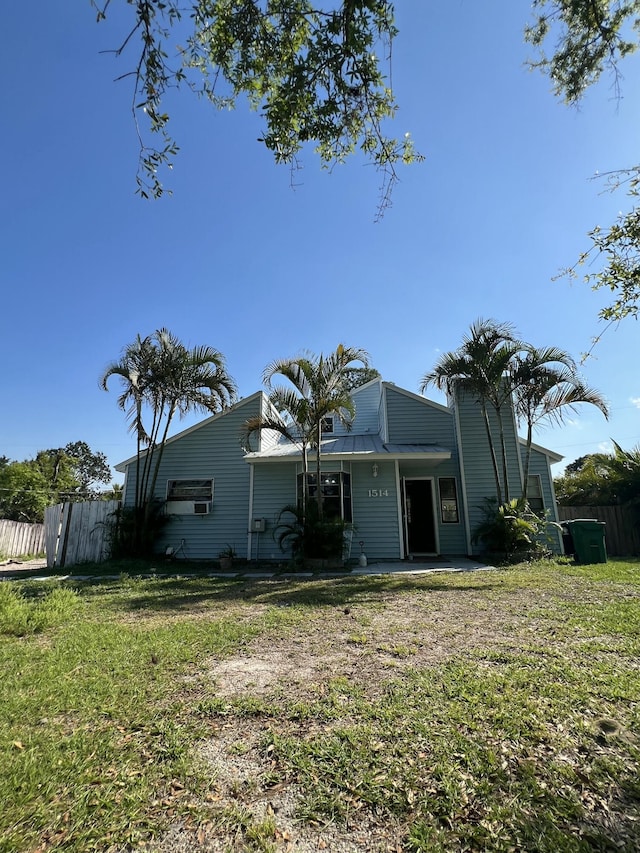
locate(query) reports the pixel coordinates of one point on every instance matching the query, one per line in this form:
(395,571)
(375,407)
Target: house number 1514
(378,493)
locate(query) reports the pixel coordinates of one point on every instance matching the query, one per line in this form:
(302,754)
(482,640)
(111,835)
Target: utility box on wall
(258,525)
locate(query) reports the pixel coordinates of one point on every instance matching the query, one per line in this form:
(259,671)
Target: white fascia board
(376,379)
(420,399)
(550,454)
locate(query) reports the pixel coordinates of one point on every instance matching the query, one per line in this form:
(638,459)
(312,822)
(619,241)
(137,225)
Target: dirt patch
(367,643)
(241,780)
(368,646)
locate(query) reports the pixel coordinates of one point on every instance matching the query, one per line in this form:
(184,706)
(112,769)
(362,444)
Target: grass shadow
(181,594)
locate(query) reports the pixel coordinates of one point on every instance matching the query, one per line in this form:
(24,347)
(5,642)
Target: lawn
(490,711)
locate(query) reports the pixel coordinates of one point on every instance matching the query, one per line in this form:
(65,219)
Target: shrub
(511,530)
(309,537)
(133,532)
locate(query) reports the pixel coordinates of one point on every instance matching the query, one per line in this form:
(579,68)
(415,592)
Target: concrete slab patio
(422,566)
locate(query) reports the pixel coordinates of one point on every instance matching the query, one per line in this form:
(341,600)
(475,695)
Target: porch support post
(399,510)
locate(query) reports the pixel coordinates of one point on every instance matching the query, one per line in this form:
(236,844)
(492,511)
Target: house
(411,474)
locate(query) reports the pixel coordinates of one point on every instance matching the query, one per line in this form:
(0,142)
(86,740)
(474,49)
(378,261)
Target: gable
(250,406)
(411,419)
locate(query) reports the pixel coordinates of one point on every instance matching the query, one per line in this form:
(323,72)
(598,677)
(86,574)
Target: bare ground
(368,643)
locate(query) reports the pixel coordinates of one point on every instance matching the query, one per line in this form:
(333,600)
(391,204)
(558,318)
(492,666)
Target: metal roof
(365,446)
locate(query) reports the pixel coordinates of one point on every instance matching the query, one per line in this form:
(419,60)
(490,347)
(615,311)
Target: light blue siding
(274,487)
(375,516)
(479,478)
(539,465)
(211,450)
(366,401)
(412,420)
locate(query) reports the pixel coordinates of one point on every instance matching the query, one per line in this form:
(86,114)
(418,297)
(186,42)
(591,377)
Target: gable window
(534,494)
(336,493)
(448,500)
(327,425)
(190,490)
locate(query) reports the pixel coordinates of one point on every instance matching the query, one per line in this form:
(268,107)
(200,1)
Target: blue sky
(238,260)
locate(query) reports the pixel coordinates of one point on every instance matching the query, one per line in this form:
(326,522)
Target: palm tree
(481,368)
(546,385)
(290,417)
(135,368)
(186,380)
(317,391)
(163,378)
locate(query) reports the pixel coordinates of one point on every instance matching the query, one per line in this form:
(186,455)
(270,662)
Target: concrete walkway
(37,570)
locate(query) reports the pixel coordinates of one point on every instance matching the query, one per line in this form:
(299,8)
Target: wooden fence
(17,538)
(78,532)
(622,533)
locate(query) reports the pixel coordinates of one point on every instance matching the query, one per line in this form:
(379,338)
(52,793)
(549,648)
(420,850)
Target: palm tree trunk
(318,469)
(305,481)
(527,461)
(492,451)
(503,451)
(158,461)
(146,494)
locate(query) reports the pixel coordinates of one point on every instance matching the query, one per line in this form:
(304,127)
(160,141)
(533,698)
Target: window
(326,425)
(190,490)
(448,500)
(336,493)
(534,494)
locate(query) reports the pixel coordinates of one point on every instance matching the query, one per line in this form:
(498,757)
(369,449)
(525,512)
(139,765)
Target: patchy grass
(494,711)
(20,615)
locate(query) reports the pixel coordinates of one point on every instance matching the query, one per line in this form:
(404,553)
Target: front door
(419,525)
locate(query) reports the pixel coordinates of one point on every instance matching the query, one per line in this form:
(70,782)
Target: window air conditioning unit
(201,507)
(258,525)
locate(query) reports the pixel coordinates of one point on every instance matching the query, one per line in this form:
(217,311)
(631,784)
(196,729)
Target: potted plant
(226,558)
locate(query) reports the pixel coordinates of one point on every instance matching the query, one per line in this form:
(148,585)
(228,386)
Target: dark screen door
(418,509)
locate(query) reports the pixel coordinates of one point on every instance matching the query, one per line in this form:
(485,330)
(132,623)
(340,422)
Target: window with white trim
(336,493)
(534,493)
(326,425)
(448,500)
(190,490)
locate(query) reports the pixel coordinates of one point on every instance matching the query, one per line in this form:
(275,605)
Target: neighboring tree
(91,469)
(601,479)
(317,391)
(114,493)
(546,386)
(25,492)
(576,465)
(590,37)
(59,474)
(354,377)
(161,378)
(55,475)
(315,71)
(480,368)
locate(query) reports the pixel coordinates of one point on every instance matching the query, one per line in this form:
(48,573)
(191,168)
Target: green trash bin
(588,540)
